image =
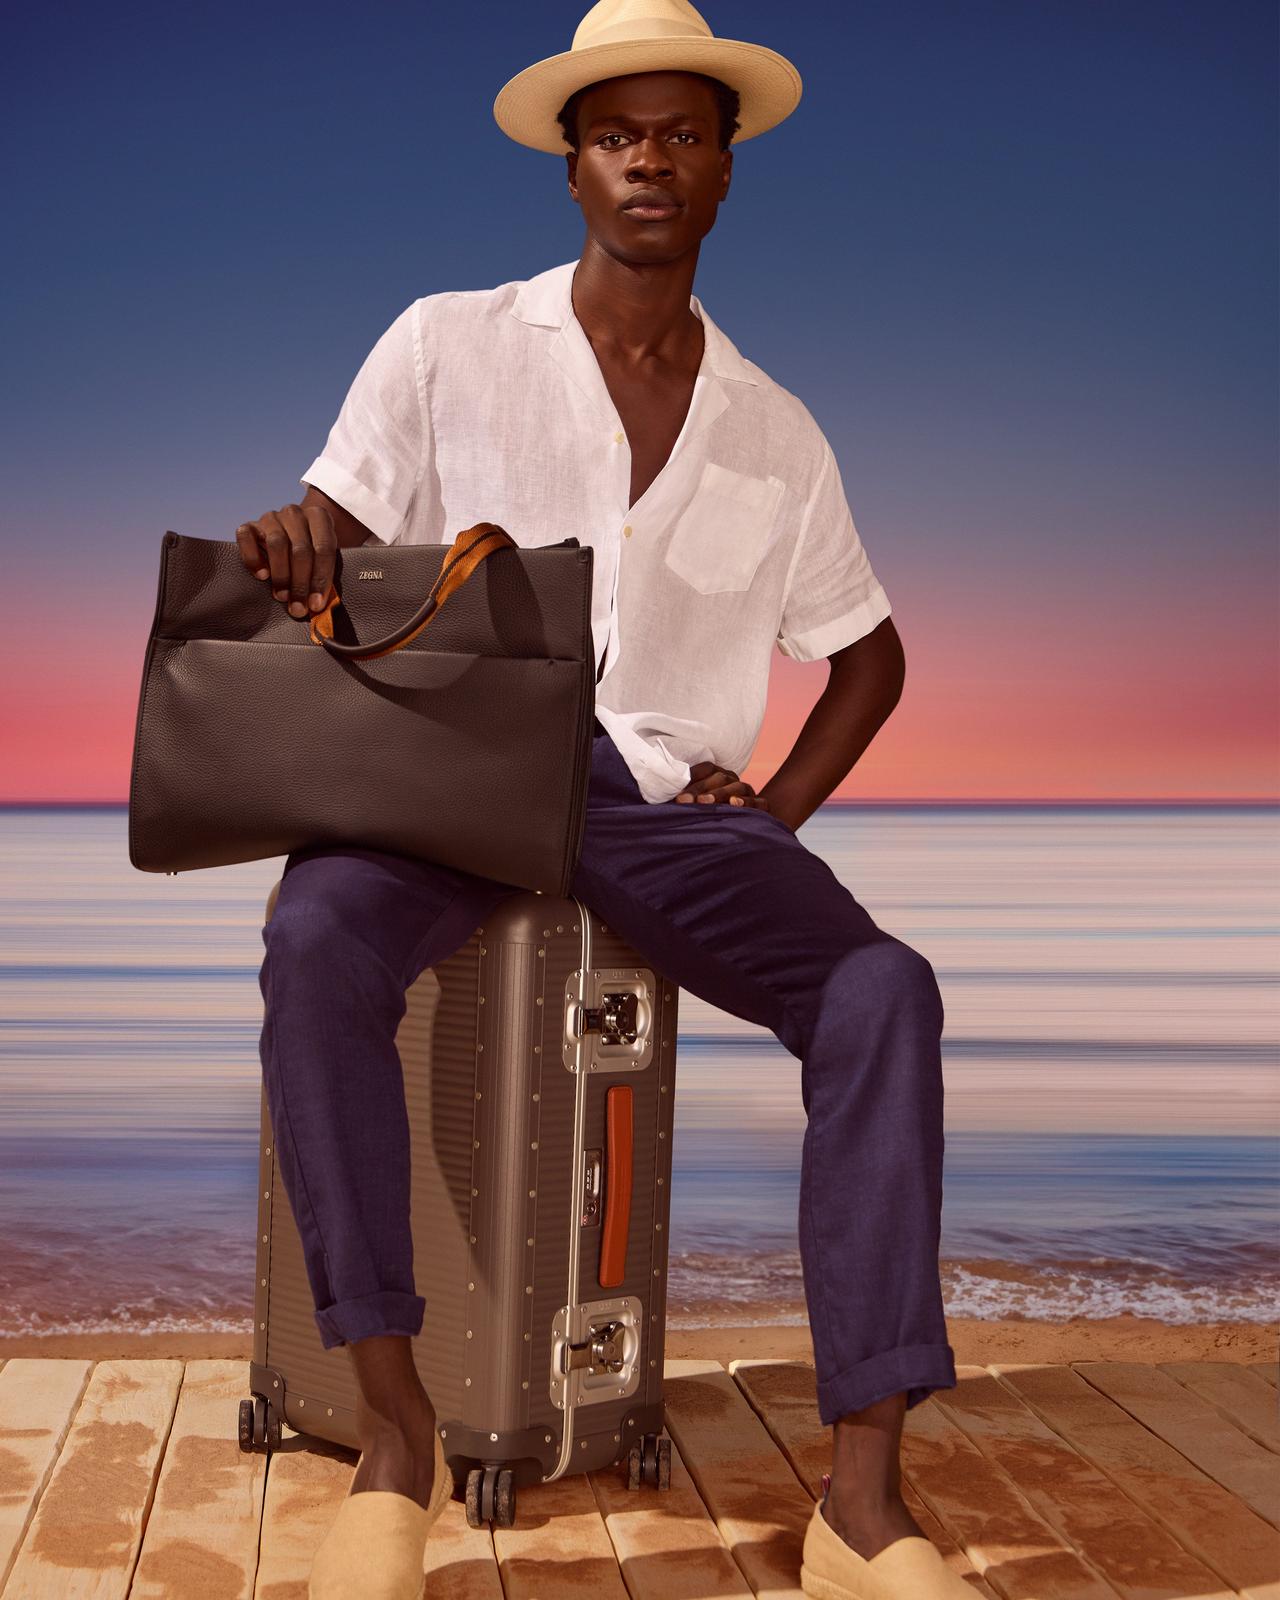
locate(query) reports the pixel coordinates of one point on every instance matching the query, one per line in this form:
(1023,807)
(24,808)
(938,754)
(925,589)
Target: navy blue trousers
(729,904)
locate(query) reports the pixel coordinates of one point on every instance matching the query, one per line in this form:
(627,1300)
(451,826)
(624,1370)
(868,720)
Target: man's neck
(636,312)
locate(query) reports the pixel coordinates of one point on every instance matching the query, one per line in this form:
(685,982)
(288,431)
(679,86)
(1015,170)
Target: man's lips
(652,203)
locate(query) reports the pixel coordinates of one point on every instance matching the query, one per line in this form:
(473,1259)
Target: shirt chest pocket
(721,535)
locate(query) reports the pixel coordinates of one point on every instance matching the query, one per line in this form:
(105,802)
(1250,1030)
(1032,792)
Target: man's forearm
(858,699)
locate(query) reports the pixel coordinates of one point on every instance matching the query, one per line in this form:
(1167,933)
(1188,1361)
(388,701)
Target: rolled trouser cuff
(387,1311)
(917,1368)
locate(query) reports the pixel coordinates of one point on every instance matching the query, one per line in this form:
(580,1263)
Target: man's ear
(571,157)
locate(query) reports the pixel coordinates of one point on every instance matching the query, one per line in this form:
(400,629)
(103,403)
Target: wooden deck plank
(306,1481)
(1241,1396)
(782,1395)
(760,1506)
(1136,1554)
(83,1540)
(201,1537)
(1204,1517)
(38,1399)
(666,1542)
(1192,1426)
(1021,1556)
(559,1547)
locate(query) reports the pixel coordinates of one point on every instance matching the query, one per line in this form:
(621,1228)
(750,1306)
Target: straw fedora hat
(621,36)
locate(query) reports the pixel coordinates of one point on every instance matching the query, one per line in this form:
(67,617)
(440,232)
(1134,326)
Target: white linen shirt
(489,405)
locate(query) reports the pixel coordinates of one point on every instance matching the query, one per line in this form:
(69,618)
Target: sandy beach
(975,1341)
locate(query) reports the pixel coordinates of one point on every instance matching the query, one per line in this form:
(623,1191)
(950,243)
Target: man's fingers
(325,541)
(251,551)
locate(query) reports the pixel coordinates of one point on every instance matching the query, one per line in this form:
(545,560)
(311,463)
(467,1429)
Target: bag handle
(470,548)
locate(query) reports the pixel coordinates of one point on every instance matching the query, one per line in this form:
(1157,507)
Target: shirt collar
(546,300)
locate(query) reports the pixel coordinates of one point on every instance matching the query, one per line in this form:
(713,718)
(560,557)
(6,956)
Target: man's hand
(709,783)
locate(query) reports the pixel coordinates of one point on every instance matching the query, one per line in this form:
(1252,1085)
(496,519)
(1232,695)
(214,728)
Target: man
(599,399)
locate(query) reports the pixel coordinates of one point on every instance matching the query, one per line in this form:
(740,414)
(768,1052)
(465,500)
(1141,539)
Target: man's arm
(864,686)
(348,530)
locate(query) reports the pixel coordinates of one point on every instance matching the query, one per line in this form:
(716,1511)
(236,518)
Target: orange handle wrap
(470,548)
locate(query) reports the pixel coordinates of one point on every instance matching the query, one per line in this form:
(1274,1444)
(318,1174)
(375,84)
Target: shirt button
(618,438)
(627,530)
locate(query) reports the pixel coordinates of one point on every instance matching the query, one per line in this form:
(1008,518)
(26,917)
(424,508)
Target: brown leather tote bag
(466,742)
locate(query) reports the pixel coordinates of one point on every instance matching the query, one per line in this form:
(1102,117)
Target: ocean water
(1111,1056)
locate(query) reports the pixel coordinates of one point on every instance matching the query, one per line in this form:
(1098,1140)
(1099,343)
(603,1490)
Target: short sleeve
(832,596)
(371,462)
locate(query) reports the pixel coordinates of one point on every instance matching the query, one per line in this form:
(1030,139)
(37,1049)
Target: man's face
(649,131)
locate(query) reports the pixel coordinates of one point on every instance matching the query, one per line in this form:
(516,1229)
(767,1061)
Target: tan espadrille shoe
(908,1569)
(373,1550)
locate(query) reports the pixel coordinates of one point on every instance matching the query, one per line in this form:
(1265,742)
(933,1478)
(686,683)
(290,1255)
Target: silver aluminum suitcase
(539,1066)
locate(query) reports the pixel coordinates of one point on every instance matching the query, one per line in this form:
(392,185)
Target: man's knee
(885,973)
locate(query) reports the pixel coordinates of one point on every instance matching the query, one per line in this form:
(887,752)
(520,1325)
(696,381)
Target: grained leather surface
(469,746)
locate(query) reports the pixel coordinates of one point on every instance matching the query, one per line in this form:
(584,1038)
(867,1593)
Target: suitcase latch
(603,1352)
(614,1019)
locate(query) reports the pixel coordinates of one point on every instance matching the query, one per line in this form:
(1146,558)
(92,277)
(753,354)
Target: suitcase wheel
(491,1497)
(649,1462)
(259,1424)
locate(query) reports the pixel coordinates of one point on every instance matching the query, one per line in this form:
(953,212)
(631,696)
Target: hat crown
(611,20)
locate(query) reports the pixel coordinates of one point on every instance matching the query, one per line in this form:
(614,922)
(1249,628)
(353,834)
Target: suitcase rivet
(534,1145)
(494,1437)
(541,951)
(529,1241)
(658,1226)
(651,1363)
(593,1066)
(528,1336)
(473,1237)
(546,933)
(467,1381)
(631,1421)
(538,1001)
(471,1286)
(267,1151)
(661,1133)
(475,1191)
(481,999)
(262,1324)
(528,1288)
(537,1096)
(662,1088)
(659,1181)
(329,1412)
(484,950)
(302,1402)
(479,1092)
(275,1383)
(468,1333)
(537,1050)
(266,1194)
(546,1438)
(264,1283)
(576,928)
(533,1194)
(666,997)
(559,927)
(475,1144)
(616,1437)
(525,1384)
(656,1271)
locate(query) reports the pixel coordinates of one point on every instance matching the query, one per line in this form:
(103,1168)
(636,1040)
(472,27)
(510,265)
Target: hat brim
(768,85)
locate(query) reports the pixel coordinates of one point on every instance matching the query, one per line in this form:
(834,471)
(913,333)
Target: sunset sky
(1019,260)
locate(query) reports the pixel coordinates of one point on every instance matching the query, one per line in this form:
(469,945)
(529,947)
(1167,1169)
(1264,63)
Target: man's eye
(683,134)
